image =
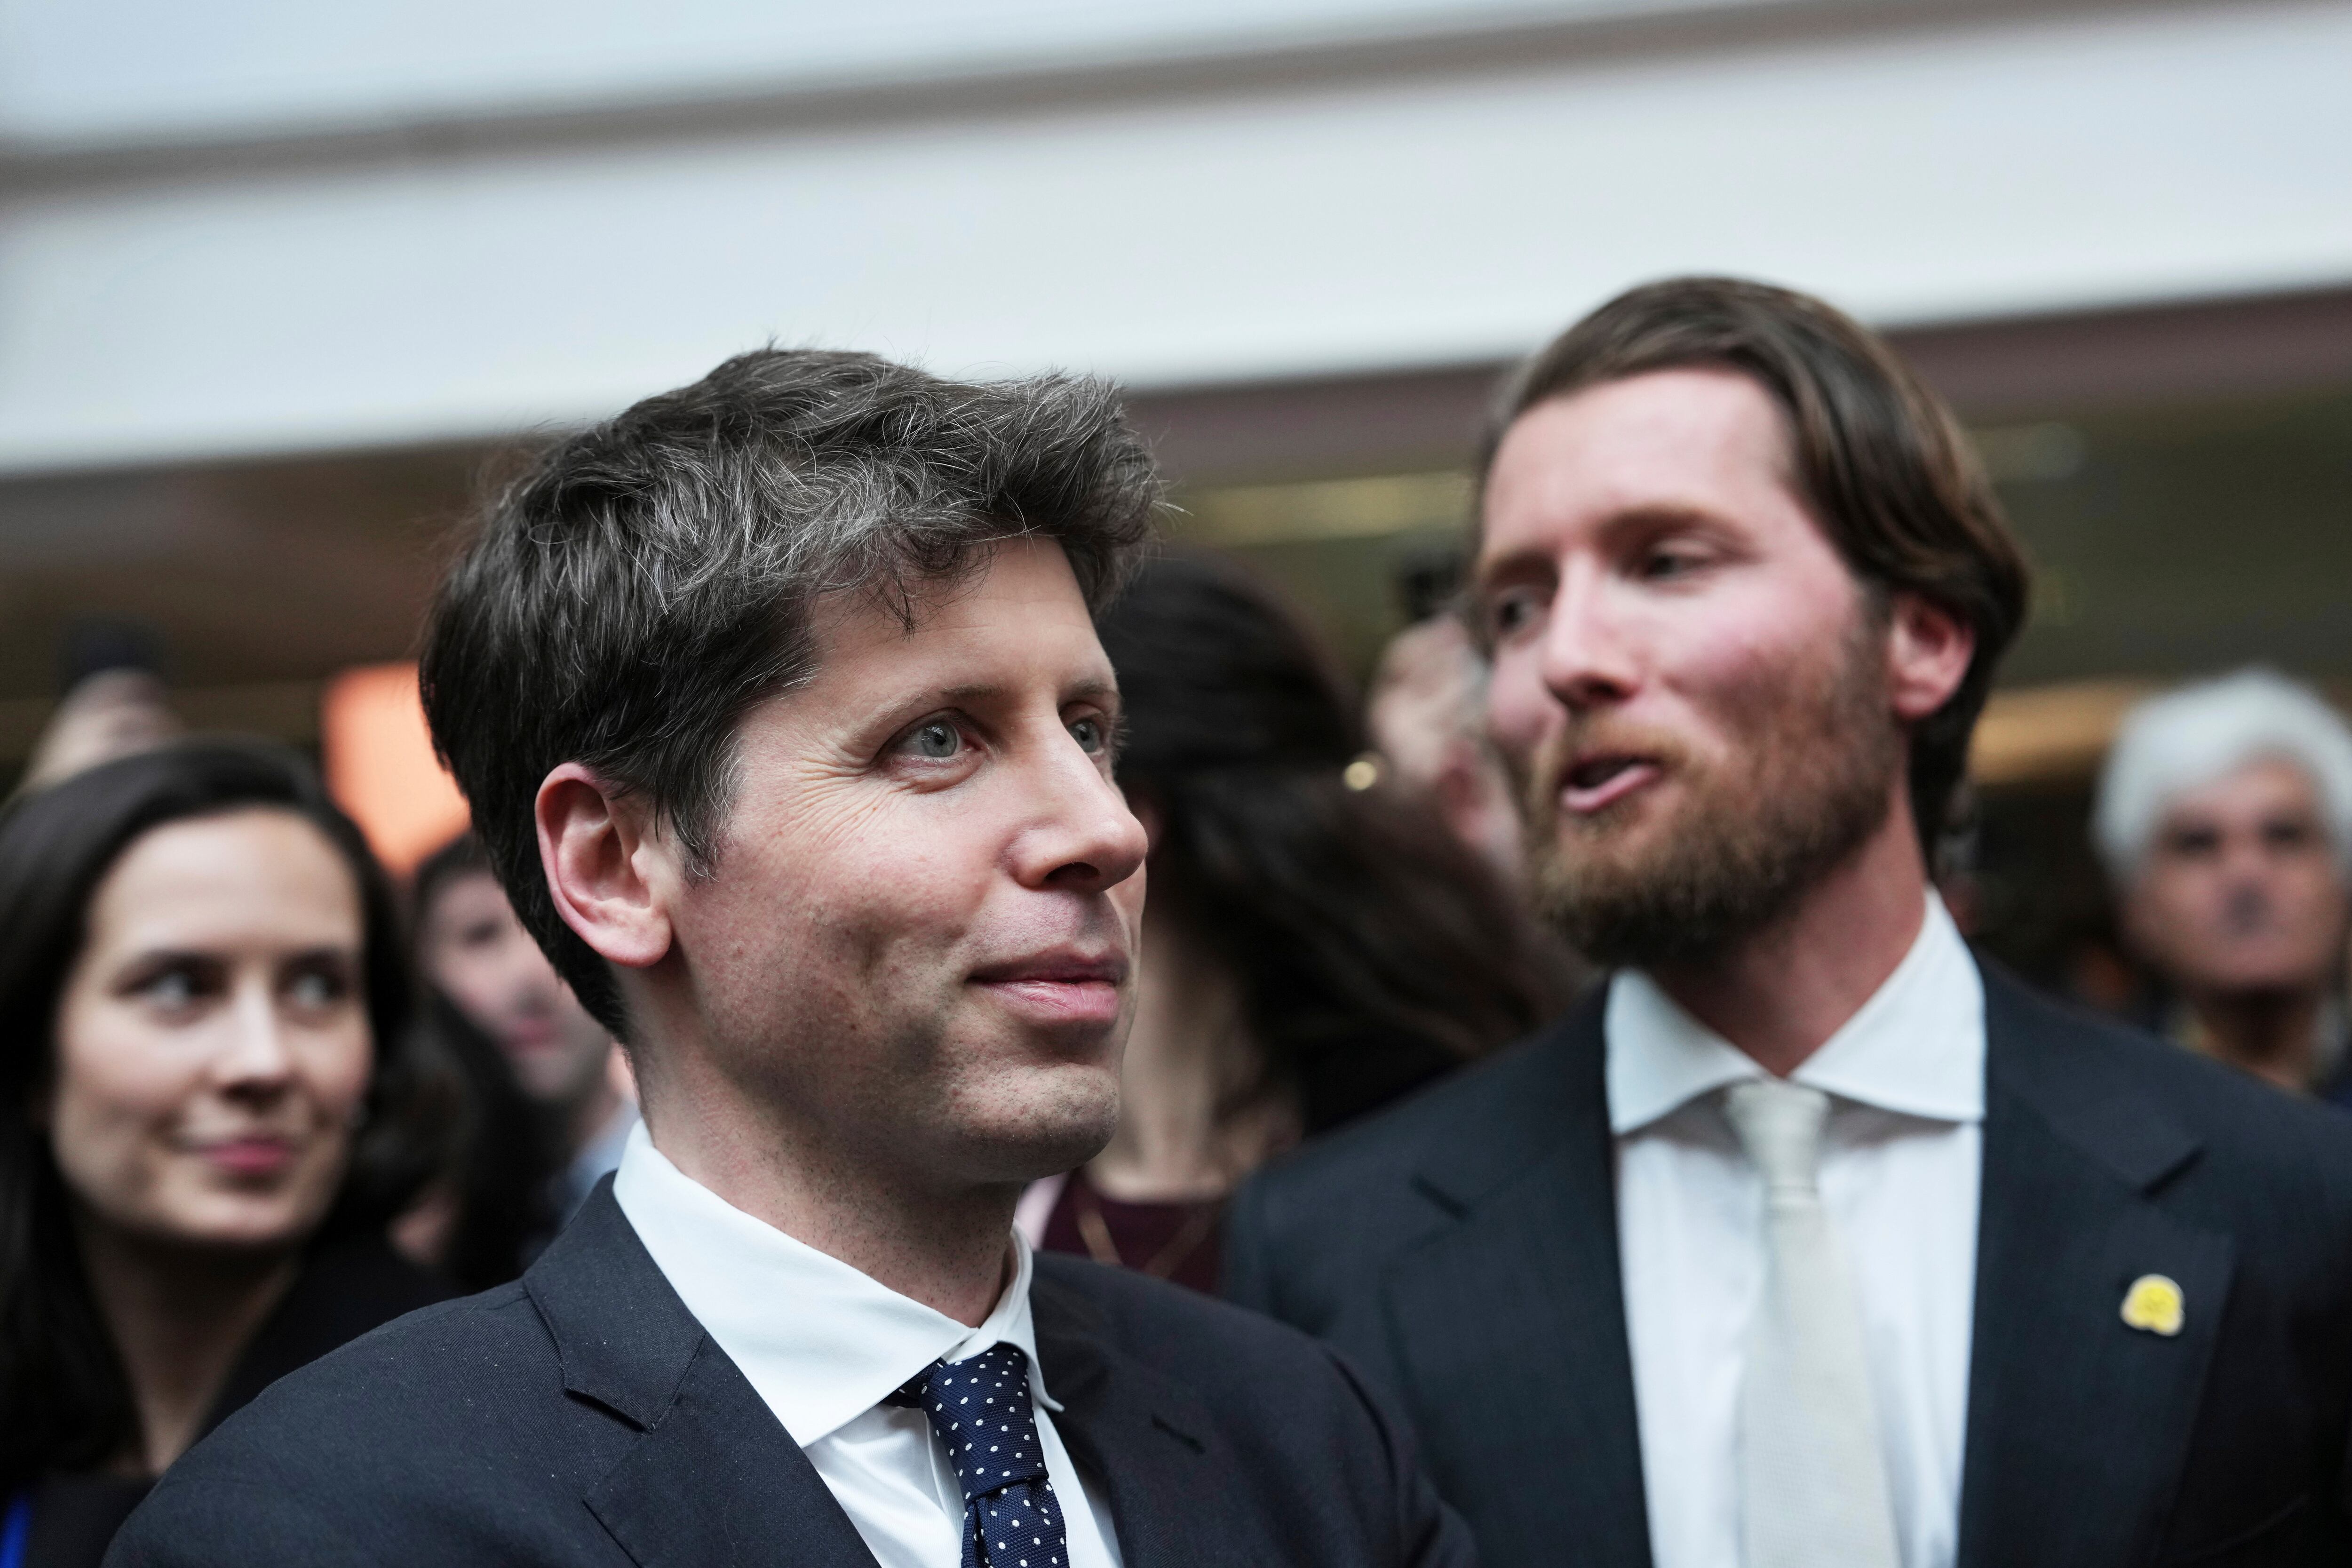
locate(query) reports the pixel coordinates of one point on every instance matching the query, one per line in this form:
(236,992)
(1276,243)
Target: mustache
(1578,741)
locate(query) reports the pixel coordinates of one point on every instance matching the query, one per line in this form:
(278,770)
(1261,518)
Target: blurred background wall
(278,280)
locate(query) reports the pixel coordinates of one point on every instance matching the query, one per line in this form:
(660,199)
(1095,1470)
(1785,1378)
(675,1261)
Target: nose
(255,1061)
(1082,837)
(1586,658)
(533,988)
(2249,860)
(2247,907)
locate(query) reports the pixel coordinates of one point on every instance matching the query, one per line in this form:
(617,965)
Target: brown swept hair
(1879,459)
(644,584)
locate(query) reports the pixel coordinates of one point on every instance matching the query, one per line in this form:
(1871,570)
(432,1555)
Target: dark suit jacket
(344,1290)
(581,1416)
(1462,1250)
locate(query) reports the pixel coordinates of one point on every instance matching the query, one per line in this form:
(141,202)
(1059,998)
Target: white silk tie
(1812,1484)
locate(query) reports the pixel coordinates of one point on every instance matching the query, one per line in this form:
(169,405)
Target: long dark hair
(61,1384)
(1373,949)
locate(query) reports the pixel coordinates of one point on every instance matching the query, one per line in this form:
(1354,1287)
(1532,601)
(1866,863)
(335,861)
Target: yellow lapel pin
(2154,1303)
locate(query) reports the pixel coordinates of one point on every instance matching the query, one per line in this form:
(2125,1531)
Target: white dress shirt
(1900,1167)
(823,1344)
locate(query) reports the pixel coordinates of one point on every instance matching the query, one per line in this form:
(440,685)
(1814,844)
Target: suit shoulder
(1248,1373)
(1385,1147)
(391,1388)
(2254,1129)
(368,1431)
(1306,1442)
(500,1319)
(1156,1322)
(1245,1368)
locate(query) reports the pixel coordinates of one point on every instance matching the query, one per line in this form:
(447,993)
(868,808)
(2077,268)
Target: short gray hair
(643,584)
(2189,738)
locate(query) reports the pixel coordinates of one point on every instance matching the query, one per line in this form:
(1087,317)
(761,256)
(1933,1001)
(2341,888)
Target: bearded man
(1811,1240)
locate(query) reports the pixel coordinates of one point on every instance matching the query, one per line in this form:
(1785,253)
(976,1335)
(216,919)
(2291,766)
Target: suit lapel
(715,1479)
(1141,1436)
(2077,1422)
(1509,1325)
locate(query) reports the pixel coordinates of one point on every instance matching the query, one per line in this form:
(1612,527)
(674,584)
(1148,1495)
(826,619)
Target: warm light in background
(381,767)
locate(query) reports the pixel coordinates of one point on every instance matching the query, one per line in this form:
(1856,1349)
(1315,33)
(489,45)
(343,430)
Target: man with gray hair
(2225,820)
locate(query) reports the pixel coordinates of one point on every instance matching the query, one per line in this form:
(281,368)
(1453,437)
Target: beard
(1808,778)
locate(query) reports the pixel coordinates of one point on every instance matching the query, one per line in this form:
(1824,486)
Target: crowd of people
(924,942)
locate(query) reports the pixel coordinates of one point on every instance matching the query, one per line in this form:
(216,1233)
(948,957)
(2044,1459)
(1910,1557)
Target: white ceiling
(96,71)
(1988,168)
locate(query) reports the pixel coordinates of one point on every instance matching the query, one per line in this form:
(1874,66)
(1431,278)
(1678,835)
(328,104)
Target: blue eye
(1088,733)
(937,740)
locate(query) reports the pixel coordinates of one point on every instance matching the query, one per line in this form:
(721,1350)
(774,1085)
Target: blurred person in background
(1811,1240)
(1427,716)
(1314,946)
(2224,818)
(114,702)
(493,1202)
(476,959)
(203,1118)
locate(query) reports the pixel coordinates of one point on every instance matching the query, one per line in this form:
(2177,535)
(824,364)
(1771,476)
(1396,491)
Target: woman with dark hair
(1314,943)
(207,1118)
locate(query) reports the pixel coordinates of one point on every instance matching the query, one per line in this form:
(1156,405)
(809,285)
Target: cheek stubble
(1811,779)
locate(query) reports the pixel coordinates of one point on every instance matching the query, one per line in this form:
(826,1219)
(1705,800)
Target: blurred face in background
(213,1046)
(2241,889)
(1427,715)
(1691,686)
(478,956)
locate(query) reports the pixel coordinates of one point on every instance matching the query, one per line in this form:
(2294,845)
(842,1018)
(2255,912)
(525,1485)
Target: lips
(1065,986)
(1597,781)
(253,1156)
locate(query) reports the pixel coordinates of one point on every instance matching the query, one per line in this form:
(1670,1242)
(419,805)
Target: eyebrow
(152,956)
(982,692)
(1651,518)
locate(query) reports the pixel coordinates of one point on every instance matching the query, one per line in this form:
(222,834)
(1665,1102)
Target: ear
(610,875)
(1927,654)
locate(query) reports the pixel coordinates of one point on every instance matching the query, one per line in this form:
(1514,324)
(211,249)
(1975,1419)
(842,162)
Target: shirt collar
(1917,1047)
(821,1342)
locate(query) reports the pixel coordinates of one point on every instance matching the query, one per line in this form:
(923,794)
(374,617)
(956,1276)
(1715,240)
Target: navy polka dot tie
(980,1410)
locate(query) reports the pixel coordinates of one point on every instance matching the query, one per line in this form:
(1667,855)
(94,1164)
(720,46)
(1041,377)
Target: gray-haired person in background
(2225,819)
